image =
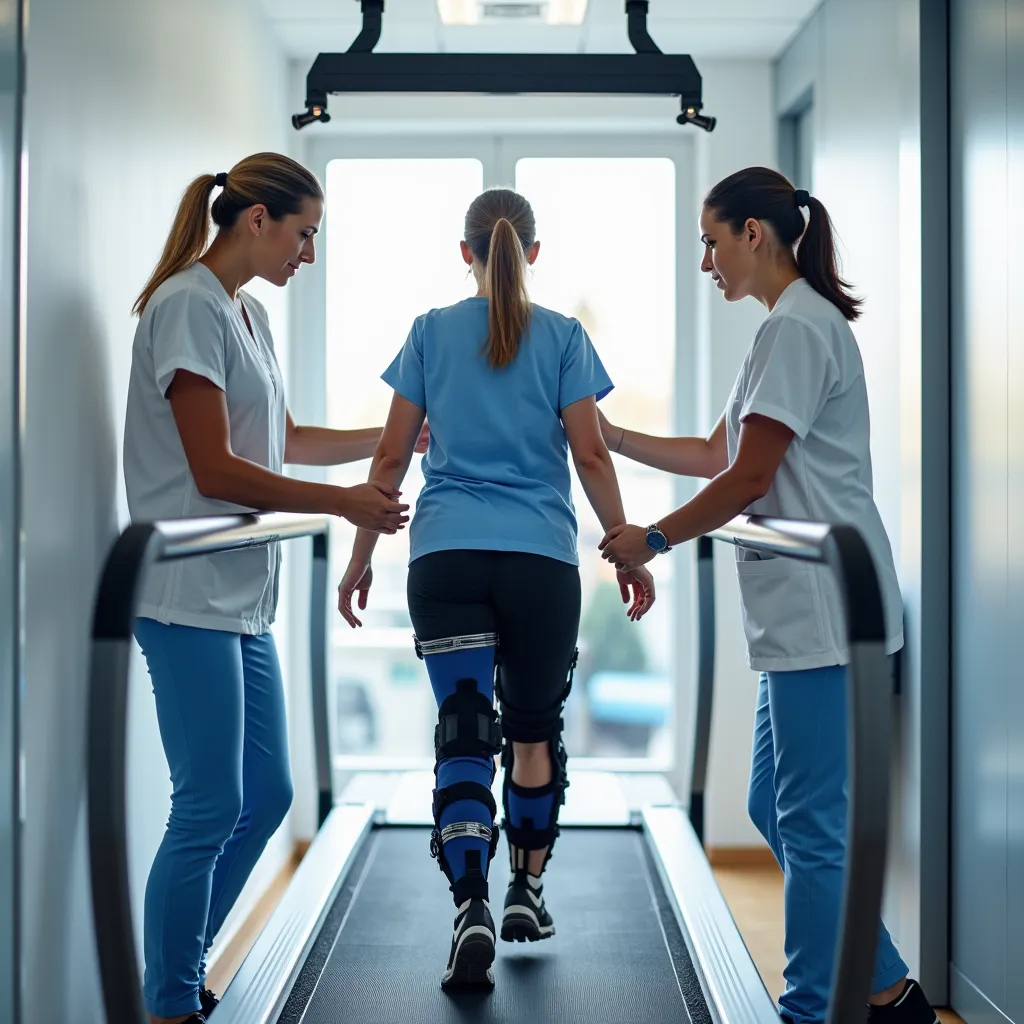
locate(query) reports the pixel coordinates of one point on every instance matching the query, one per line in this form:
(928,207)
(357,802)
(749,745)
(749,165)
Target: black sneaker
(912,1007)
(209,1001)
(525,919)
(469,965)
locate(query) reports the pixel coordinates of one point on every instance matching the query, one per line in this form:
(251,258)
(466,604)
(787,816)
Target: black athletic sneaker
(469,965)
(525,919)
(209,1001)
(912,1007)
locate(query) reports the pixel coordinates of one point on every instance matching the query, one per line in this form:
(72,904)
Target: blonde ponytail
(269,179)
(187,240)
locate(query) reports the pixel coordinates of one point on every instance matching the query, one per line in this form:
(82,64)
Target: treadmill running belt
(617,957)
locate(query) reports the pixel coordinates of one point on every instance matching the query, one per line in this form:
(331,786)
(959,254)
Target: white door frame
(12,361)
(499,153)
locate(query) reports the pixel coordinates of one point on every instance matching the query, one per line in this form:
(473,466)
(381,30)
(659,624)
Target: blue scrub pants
(220,705)
(798,800)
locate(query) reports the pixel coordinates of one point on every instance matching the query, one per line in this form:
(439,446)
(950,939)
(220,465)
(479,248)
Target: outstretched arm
(762,446)
(684,456)
(321,446)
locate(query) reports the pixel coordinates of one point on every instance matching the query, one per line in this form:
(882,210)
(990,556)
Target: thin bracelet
(622,437)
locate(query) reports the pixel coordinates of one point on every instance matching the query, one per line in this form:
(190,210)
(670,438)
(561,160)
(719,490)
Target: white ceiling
(702,28)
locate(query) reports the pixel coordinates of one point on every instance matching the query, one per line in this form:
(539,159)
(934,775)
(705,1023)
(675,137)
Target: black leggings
(530,601)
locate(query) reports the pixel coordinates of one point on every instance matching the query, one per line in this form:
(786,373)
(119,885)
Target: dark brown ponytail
(759,193)
(500,228)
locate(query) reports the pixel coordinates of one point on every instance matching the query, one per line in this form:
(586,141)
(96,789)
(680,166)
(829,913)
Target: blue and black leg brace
(466,740)
(531,813)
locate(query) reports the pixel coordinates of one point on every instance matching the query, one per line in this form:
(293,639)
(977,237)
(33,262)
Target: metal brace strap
(454,643)
(466,830)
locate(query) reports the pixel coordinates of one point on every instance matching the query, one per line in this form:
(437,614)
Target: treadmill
(362,934)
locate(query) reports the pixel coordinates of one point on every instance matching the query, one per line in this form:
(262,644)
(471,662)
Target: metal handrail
(140,546)
(843,549)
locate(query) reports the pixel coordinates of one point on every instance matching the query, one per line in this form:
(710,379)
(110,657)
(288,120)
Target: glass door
(607,222)
(608,259)
(391,256)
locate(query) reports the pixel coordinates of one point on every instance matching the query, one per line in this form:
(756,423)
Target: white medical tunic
(191,324)
(804,370)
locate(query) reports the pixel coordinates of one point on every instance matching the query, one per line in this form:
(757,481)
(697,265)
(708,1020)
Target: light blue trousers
(797,800)
(220,705)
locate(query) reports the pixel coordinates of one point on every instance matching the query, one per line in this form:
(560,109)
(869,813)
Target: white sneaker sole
(521,924)
(471,965)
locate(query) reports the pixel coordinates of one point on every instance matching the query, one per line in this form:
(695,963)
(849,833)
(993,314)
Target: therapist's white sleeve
(189,333)
(790,374)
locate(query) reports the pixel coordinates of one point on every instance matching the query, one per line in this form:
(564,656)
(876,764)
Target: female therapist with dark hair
(208,432)
(793,442)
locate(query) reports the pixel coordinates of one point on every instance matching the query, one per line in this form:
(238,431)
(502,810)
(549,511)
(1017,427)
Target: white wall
(877,71)
(739,94)
(127,101)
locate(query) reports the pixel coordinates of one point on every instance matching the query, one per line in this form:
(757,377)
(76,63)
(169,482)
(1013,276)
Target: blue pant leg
(761,792)
(266,779)
(808,715)
(197,682)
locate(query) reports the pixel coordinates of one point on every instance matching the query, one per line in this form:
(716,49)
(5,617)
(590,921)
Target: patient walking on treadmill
(494,589)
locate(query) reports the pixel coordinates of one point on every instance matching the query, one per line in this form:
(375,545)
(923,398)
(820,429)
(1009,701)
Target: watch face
(656,541)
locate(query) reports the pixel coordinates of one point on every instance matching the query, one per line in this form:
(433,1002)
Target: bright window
(393,234)
(607,228)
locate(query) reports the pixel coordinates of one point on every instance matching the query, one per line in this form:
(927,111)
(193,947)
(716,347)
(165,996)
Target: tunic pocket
(781,608)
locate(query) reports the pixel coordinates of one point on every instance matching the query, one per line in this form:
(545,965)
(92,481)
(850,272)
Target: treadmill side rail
(732,986)
(258,992)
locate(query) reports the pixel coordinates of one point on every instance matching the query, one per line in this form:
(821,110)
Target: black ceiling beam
(648,72)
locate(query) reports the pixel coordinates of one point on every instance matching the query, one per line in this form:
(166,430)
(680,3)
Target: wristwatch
(657,541)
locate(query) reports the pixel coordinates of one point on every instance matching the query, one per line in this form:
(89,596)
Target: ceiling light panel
(540,12)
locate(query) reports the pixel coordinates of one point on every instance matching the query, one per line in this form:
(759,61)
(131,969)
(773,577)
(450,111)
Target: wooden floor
(754,893)
(750,882)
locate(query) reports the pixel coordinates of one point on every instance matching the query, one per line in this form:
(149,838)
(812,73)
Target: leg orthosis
(531,813)
(466,740)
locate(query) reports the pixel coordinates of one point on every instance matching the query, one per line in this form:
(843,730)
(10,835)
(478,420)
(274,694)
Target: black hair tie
(803,197)
(221,180)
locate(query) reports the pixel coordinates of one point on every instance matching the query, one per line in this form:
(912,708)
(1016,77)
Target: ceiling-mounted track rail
(648,72)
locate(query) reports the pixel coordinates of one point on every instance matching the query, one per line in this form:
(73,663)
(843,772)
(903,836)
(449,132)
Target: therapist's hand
(626,547)
(357,579)
(374,506)
(638,586)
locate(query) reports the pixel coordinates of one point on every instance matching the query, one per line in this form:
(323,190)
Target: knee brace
(531,813)
(466,739)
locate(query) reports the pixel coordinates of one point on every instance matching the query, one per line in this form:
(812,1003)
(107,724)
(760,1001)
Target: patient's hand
(638,585)
(357,579)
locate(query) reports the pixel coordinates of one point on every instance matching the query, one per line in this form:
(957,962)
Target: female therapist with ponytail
(793,442)
(207,433)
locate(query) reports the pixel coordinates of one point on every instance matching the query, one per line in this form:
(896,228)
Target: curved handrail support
(869,732)
(318,679)
(132,554)
(705,681)
(869,738)
(135,551)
